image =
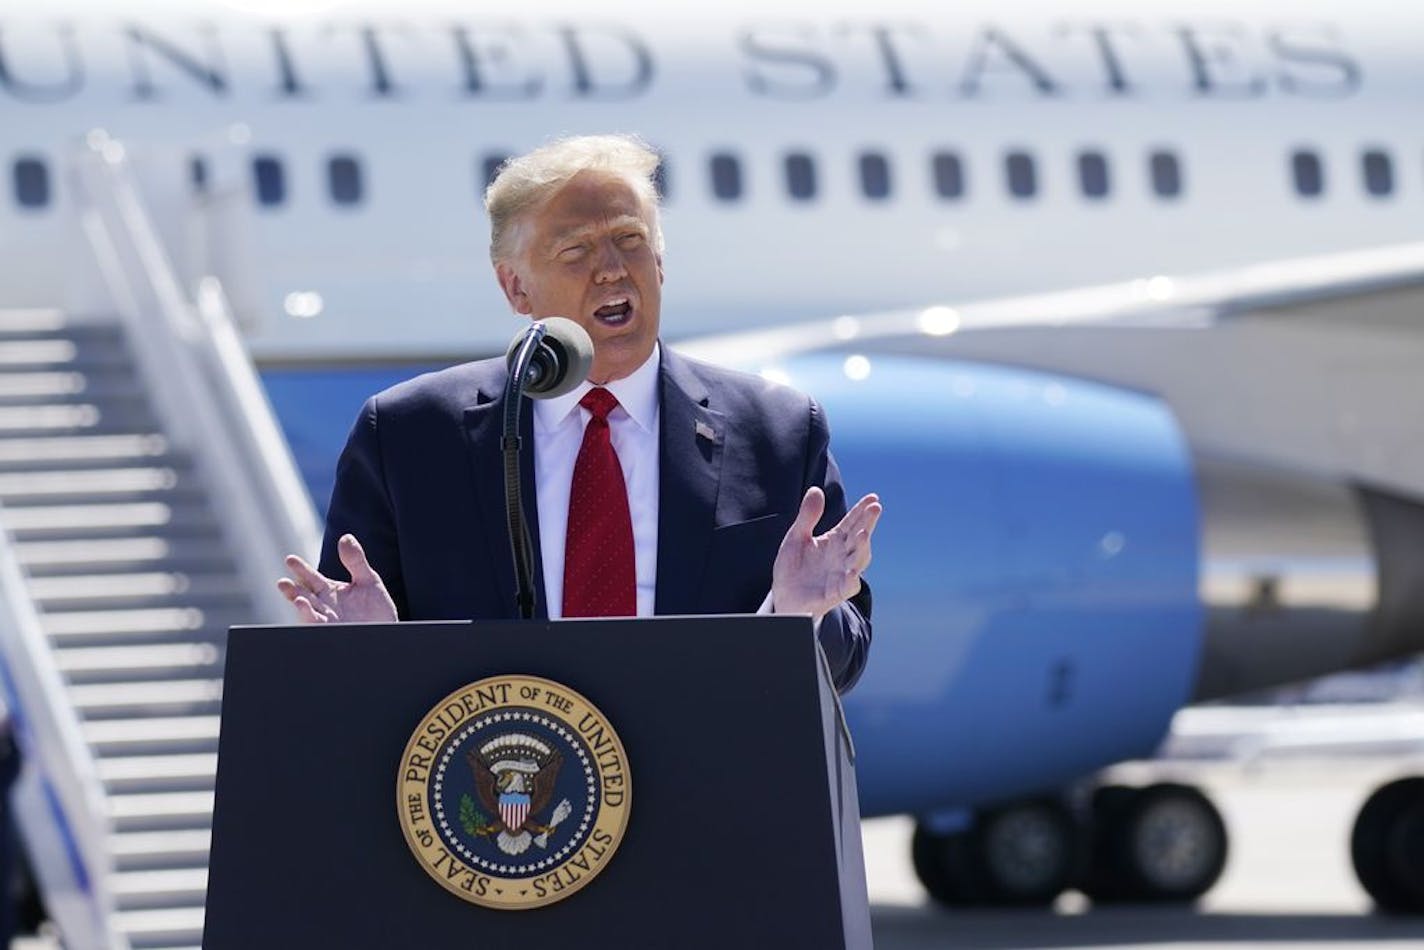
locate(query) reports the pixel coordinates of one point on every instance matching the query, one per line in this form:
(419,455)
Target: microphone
(562,357)
(548,359)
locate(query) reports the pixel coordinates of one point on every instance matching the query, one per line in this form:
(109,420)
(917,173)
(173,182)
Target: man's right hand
(319,599)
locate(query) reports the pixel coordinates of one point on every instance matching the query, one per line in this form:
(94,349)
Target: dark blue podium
(742,831)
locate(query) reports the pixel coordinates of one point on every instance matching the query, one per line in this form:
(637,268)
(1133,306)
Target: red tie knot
(600,402)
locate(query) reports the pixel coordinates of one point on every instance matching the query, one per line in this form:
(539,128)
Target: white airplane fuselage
(1139,139)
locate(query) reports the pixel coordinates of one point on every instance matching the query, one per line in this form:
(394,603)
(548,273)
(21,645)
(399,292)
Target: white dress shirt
(633,428)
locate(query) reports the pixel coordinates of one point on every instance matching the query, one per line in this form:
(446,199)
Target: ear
(513,286)
(659,259)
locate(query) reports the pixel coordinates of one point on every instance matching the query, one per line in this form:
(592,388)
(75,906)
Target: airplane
(963,220)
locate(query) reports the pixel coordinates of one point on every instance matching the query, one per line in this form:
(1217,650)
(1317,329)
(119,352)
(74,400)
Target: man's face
(587,254)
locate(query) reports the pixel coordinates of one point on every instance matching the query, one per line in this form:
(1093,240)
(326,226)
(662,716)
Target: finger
(857,552)
(873,511)
(862,537)
(813,505)
(855,519)
(289,588)
(354,557)
(306,612)
(306,575)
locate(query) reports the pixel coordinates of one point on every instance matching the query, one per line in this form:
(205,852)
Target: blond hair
(527,181)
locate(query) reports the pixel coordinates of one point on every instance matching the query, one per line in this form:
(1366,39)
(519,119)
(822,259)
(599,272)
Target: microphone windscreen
(561,361)
(574,349)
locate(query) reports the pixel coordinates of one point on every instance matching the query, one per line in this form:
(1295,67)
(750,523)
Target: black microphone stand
(519,544)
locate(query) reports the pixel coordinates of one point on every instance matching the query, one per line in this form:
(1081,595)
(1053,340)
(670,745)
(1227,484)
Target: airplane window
(1308,175)
(948,173)
(343,179)
(198,174)
(1166,174)
(270,179)
(1022,177)
(1379,172)
(800,176)
(874,176)
(31,183)
(726,177)
(489,167)
(1093,174)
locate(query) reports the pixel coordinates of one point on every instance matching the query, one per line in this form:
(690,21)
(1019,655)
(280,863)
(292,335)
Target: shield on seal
(513,809)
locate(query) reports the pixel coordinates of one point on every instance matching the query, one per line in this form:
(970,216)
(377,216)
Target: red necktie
(599,575)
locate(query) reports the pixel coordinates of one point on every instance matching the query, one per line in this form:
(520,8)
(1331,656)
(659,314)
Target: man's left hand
(813,574)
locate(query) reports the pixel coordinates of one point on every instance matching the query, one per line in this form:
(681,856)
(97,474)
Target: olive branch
(474,821)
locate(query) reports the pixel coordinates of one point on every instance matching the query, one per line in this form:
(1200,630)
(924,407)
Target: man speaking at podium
(663,485)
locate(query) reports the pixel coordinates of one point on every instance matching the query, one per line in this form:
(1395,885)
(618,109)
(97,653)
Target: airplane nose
(1303,576)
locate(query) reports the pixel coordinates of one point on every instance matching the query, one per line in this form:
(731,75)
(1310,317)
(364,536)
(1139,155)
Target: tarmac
(1288,883)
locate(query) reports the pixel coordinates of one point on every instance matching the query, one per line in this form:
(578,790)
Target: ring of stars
(514,718)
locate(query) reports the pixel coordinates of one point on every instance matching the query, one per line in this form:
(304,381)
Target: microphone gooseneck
(549,358)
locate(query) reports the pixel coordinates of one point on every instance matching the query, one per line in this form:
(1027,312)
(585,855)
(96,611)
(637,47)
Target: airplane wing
(1310,363)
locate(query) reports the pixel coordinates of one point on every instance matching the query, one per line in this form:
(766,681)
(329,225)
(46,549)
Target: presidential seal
(513,792)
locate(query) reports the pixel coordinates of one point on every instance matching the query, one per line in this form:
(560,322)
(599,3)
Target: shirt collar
(637,394)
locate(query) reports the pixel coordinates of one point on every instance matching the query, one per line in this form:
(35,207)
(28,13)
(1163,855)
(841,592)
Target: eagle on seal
(515,778)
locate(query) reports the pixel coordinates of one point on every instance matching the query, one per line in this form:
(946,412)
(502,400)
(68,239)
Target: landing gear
(1022,854)
(1162,843)
(1388,846)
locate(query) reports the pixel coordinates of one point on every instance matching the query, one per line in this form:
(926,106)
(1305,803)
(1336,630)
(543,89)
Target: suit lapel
(484,430)
(690,466)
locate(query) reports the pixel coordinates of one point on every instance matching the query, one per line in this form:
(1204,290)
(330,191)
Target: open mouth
(614,313)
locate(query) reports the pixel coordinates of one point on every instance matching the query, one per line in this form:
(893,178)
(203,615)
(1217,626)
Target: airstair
(145,500)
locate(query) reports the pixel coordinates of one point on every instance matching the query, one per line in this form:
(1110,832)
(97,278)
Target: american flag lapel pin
(704,431)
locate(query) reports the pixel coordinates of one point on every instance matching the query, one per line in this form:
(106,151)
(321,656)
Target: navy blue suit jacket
(421,485)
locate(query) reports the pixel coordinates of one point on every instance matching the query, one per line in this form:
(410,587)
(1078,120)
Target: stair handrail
(209,392)
(59,797)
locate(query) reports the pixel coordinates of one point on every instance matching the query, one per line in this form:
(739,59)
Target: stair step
(145,849)
(146,620)
(112,417)
(94,346)
(38,327)
(112,387)
(140,552)
(164,810)
(58,594)
(161,928)
(167,888)
(111,519)
(150,728)
(32,320)
(91,665)
(82,448)
(79,415)
(90,482)
(196,771)
(98,700)
(38,352)
(54,517)
(157,735)
(41,383)
(132,584)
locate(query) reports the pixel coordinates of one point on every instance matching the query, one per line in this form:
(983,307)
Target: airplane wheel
(1023,854)
(1387,846)
(1163,843)
(939,861)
